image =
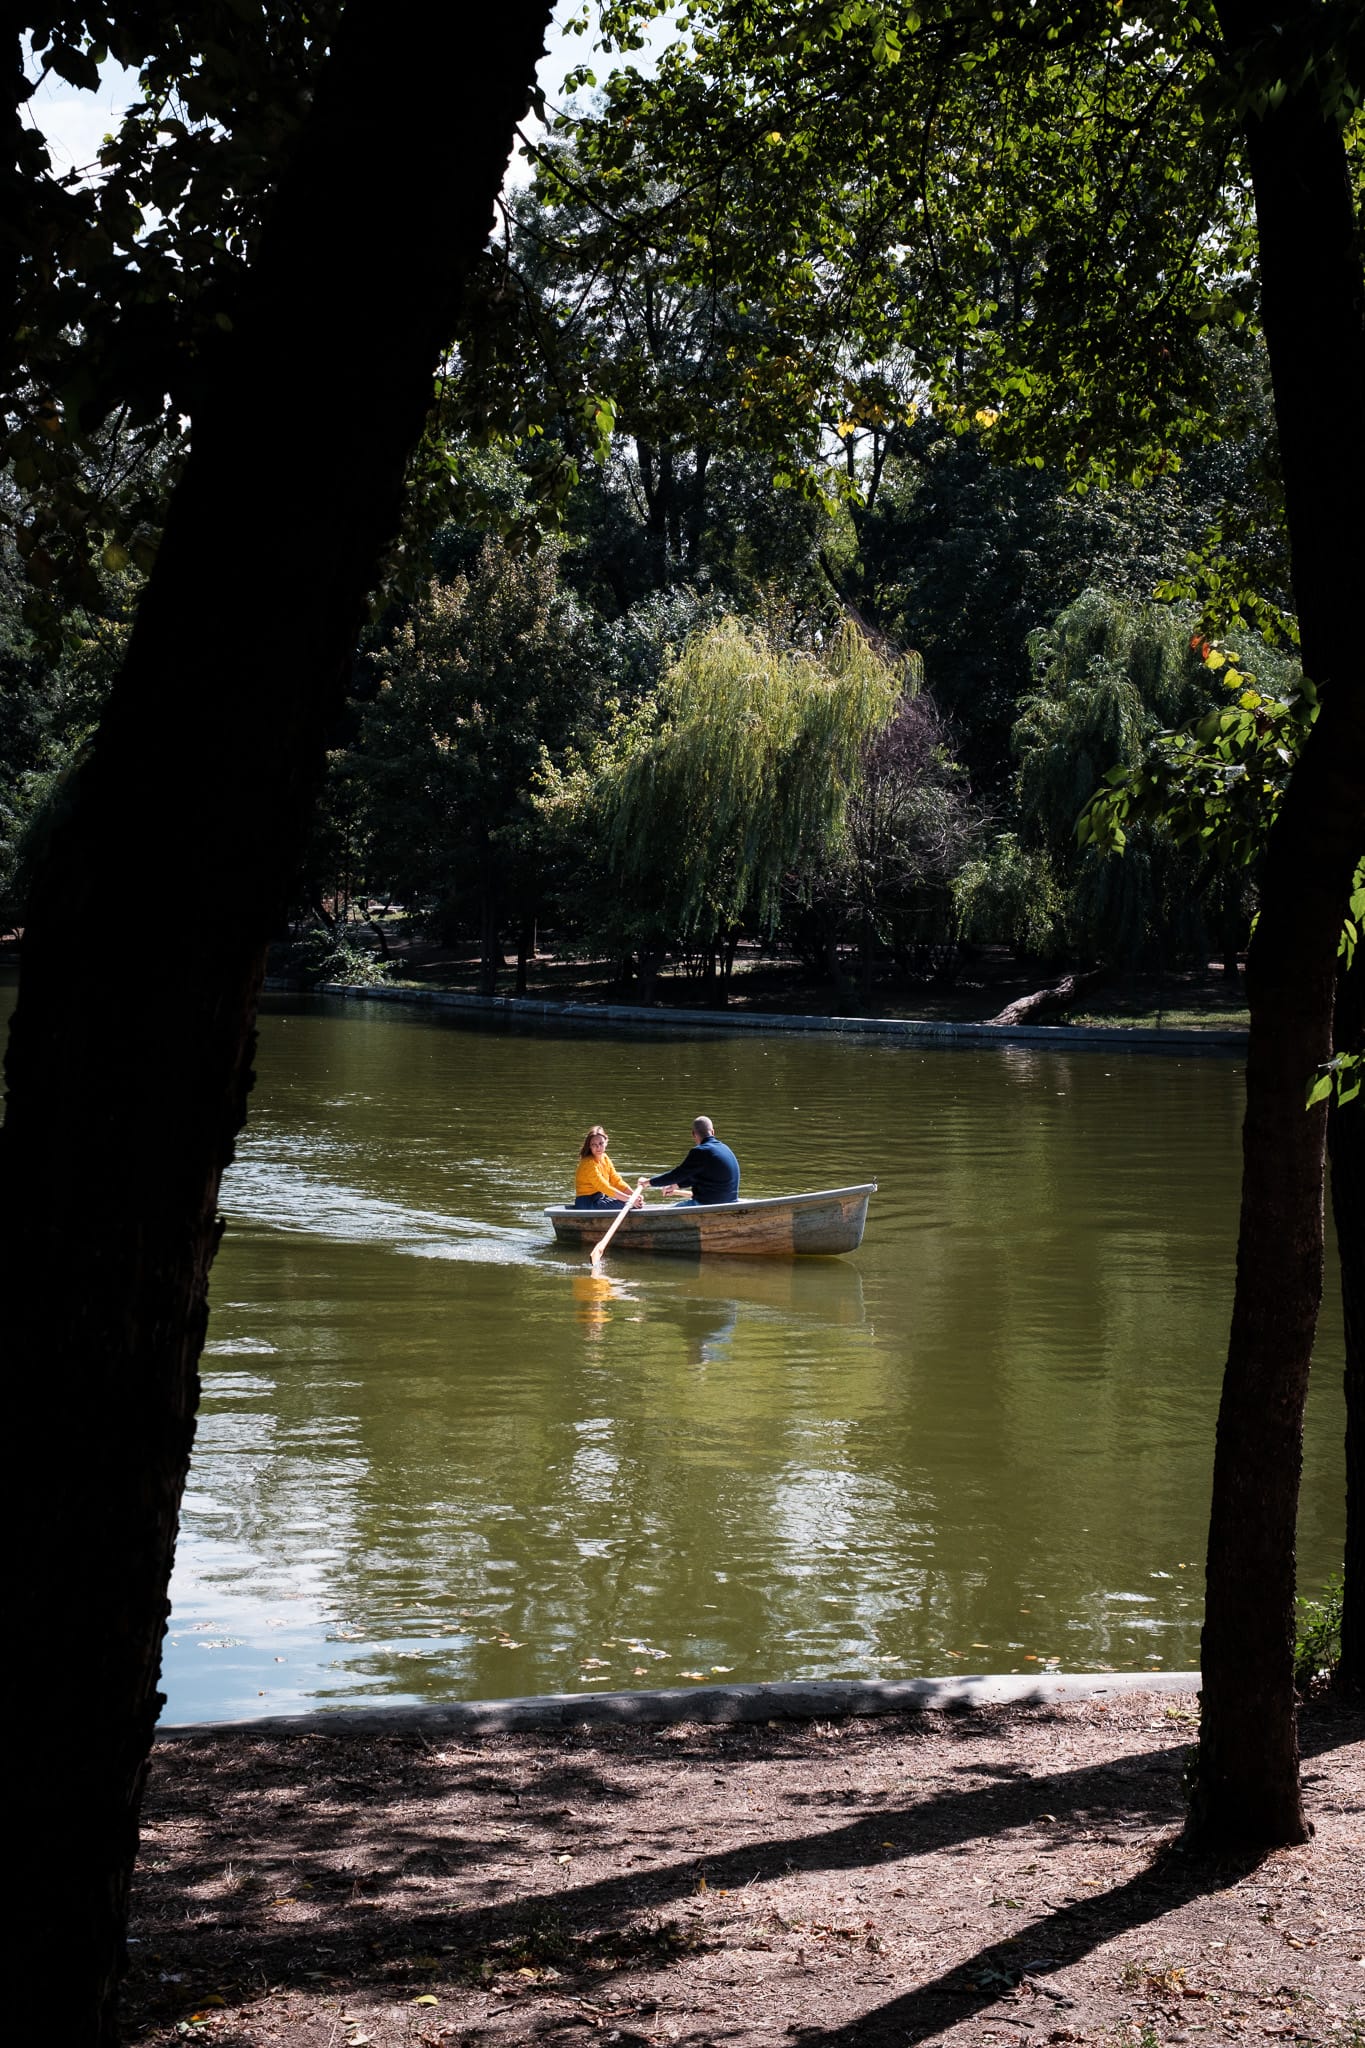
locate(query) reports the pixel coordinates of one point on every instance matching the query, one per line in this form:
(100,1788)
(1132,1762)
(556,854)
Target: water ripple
(280,1194)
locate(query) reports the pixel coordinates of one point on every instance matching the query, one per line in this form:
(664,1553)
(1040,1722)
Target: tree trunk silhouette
(1313,309)
(128,1078)
(490,929)
(526,946)
(1346,1146)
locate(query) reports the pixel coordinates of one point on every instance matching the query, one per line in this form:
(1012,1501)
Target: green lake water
(437,1459)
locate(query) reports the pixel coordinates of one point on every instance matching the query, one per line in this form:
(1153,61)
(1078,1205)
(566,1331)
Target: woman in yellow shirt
(597,1184)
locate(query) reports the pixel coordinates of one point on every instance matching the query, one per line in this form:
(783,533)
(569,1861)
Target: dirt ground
(1010,1875)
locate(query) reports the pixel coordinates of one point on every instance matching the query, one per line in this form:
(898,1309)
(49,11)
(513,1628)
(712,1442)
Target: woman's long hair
(596,1132)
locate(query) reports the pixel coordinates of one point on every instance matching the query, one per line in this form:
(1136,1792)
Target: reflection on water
(439,1457)
(593,1295)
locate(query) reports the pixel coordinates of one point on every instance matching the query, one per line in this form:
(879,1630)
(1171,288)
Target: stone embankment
(911,1030)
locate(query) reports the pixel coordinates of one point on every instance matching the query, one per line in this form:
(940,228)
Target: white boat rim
(745,1202)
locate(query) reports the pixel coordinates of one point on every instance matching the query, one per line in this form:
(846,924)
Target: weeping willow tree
(1110,674)
(742,771)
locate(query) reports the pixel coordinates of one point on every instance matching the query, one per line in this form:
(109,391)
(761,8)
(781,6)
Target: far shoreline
(1221,1042)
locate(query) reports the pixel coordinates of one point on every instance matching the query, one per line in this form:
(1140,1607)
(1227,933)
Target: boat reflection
(704,1298)
(705,1324)
(821,1290)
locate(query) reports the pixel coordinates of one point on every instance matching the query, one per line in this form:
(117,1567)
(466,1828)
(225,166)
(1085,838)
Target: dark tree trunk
(128,1078)
(648,963)
(656,482)
(1233,929)
(490,935)
(696,509)
(1313,308)
(526,945)
(867,955)
(1346,1144)
(13,193)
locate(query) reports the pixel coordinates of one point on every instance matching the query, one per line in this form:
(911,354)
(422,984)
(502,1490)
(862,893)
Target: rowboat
(771,1227)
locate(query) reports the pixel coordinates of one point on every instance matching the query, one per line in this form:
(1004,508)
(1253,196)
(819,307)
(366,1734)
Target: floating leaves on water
(722,1667)
(593,1663)
(691,1674)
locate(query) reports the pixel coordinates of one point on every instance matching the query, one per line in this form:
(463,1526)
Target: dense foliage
(751,362)
(709,349)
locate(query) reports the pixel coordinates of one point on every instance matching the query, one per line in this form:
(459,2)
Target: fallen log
(1058,995)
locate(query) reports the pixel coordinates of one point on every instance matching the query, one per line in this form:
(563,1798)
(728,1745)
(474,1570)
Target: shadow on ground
(570,1869)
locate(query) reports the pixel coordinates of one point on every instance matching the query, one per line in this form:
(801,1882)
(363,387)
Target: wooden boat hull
(773,1227)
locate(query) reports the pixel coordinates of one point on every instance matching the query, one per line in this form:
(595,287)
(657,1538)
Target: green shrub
(336,956)
(1318,1649)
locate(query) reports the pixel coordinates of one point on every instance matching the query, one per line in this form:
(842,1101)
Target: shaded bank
(1011,1871)
(913,1030)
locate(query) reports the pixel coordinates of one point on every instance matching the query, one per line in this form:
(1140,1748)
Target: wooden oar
(600,1247)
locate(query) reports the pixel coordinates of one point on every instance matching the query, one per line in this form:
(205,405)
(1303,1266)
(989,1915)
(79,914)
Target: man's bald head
(702,1128)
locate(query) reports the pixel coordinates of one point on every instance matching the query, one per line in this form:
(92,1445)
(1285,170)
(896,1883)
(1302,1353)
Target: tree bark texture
(1346,1146)
(1313,310)
(12,185)
(128,1071)
(1057,996)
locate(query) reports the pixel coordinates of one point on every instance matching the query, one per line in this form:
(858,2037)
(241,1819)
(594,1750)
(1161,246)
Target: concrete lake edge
(779,1700)
(914,1030)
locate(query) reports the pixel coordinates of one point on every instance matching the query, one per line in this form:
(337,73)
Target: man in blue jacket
(710,1169)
